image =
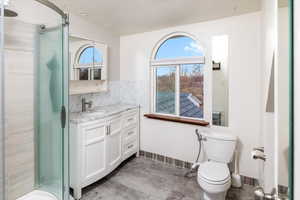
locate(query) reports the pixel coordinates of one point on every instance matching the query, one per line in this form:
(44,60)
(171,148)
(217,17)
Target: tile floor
(143,179)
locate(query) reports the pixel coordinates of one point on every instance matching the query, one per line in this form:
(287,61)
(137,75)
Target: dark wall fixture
(216,65)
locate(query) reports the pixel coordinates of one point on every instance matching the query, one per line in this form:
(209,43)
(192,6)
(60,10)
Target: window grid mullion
(177,91)
(154,89)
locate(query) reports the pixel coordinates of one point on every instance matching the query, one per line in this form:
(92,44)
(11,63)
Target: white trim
(96,65)
(152,89)
(193,60)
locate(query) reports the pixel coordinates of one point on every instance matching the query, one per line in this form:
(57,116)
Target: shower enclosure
(34,100)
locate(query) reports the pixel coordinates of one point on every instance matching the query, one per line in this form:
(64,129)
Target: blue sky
(172,48)
(178,47)
(86,56)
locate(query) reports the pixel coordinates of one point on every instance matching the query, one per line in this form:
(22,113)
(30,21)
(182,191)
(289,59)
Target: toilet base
(214,196)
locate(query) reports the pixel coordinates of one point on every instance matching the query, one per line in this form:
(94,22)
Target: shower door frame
(66,106)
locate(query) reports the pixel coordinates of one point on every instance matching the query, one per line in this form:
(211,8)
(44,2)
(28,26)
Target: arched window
(89,63)
(178,77)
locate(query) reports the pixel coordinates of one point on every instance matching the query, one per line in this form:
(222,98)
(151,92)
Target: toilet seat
(214,177)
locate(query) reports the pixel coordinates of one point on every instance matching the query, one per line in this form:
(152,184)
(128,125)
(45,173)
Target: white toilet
(213,175)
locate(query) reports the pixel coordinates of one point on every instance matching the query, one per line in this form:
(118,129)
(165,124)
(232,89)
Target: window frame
(177,62)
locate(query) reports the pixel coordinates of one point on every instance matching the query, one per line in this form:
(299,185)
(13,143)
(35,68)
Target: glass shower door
(51,111)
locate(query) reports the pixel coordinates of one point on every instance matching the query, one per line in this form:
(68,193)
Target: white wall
(178,140)
(220,78)
(268,138)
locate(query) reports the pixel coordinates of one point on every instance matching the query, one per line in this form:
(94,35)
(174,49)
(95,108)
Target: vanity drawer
(130,133)
(94,133)
(129,148)
(115,124)
(130,119)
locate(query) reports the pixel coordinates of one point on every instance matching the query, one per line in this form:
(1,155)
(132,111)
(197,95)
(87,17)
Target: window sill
(177,119)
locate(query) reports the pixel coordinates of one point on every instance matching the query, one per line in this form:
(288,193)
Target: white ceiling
(134,16)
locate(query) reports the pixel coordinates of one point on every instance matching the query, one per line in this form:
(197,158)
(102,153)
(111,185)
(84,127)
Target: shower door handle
(63,116)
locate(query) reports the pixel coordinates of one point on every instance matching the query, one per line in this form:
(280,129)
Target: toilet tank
(219,147)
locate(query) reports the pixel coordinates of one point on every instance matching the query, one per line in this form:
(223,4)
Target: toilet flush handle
(261,149)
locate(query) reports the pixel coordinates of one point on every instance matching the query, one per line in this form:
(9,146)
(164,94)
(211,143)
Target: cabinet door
(94,153)
(114,142)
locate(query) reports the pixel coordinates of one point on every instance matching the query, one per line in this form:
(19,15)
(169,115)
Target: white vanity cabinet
(97,147)
(93,146)
(114,142)
(130,133)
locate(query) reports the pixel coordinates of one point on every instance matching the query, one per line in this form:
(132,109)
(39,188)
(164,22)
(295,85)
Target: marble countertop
(99,112)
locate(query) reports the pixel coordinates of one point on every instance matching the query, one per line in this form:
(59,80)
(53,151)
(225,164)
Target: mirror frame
(78,87)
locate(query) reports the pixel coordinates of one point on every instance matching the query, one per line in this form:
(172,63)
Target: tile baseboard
(283,190)
(166,160)
(249,181)
(186,165)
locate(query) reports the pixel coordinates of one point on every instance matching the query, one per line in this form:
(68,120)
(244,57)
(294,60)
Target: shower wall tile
(13,38)
(112,96)
(128,92)
(132,92)
(19,109)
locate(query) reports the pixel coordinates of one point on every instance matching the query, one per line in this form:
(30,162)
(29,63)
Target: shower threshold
(38,195)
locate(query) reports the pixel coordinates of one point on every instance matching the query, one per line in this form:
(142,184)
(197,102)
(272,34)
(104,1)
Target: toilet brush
(236,177)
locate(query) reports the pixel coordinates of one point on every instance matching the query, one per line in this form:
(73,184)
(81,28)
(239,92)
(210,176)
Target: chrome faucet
(85,103)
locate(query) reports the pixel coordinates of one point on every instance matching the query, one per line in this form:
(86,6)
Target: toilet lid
(214,171)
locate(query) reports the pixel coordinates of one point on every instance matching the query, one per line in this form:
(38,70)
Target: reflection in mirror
(220,80)
(87,59)
(283,96)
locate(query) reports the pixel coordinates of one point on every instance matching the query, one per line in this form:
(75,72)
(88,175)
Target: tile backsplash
(130,92)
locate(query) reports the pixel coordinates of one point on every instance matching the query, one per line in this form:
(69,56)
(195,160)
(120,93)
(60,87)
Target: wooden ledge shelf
(177,119)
